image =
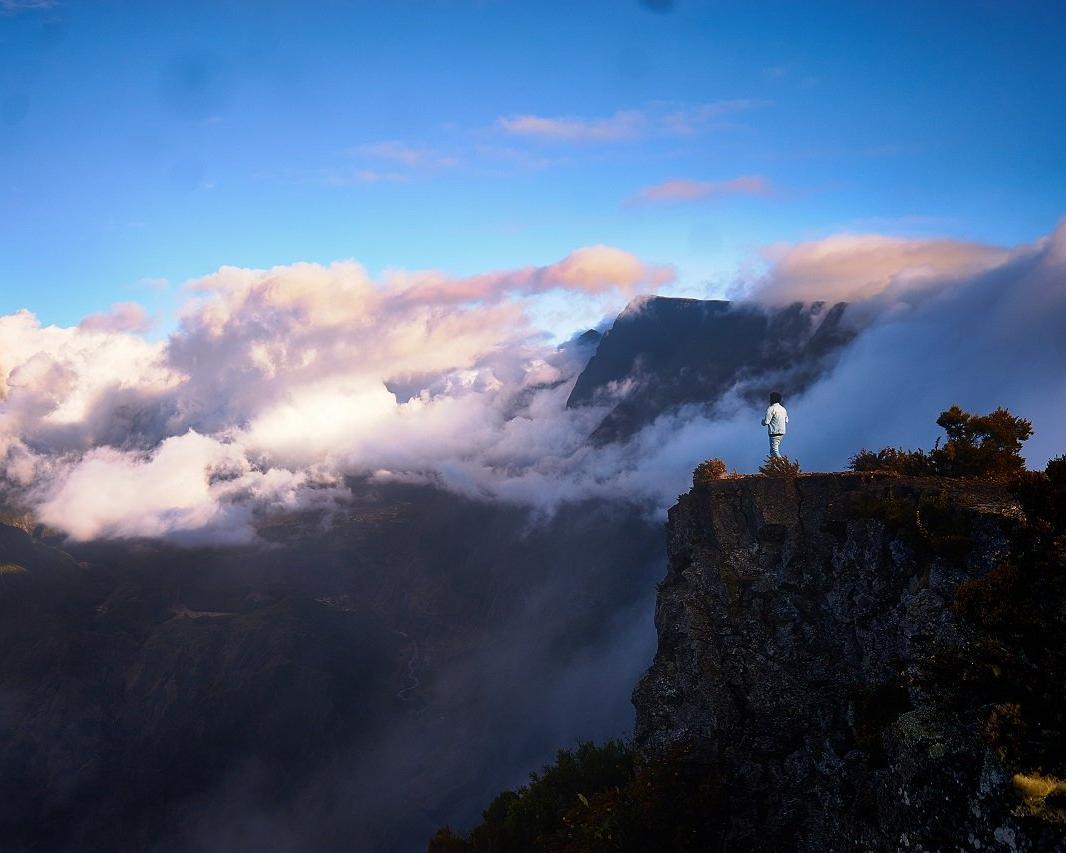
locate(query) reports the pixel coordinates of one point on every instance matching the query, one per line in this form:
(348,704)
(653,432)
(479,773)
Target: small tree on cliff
(981,445)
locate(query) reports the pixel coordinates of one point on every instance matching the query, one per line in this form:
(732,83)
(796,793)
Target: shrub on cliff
(984,446)
(894,460)
(600,798)
(524,820)
(779,466)
(981,445)
(708,471)
(447,840)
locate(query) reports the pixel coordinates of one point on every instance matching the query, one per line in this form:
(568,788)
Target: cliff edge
(813,650)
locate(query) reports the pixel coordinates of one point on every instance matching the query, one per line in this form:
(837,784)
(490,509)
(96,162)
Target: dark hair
(775,397)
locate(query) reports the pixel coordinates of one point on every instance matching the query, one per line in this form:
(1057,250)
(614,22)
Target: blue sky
(143,143)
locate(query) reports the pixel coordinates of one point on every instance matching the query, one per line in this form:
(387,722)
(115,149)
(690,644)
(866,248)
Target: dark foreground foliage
(601,798)
(985,446)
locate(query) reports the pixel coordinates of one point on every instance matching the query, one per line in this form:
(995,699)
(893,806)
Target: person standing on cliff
(775,422)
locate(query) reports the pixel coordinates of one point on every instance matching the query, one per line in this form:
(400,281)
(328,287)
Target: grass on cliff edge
(712,470)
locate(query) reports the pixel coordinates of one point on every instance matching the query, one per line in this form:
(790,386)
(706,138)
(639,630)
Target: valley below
(352,680)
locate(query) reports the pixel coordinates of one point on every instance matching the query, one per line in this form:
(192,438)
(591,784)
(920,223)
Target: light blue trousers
(775,444)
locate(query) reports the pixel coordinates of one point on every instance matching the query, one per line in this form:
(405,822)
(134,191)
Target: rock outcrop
(807,633)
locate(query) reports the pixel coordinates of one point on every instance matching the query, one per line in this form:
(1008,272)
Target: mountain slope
(663,353)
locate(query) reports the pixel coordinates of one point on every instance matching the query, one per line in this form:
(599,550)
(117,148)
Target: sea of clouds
(278,384)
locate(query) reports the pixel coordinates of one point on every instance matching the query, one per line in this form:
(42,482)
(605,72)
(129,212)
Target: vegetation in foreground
(708,471)
(780,466)
(600,798)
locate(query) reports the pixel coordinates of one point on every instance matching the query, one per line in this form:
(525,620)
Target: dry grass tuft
(708,471)
(779,466)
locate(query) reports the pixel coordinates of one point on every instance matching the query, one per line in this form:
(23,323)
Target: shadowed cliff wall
(805,627)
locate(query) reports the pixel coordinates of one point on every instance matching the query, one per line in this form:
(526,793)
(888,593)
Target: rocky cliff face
(809,649)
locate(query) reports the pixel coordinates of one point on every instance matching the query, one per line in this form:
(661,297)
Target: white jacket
(776,419)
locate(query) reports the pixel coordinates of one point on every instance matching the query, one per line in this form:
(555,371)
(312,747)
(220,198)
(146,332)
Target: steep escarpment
(826,648)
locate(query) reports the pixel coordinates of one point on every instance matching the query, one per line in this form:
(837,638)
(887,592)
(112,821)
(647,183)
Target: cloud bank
(280,383)
(859,267)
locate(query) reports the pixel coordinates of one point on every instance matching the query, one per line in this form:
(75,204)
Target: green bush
(598,799)
(985,446)
(779,466)
(708,471)
(521,820)
(446,840)
(1043,496)
(894,460)
(1056,472)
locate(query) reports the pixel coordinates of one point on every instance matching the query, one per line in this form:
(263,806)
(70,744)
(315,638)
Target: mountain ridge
(662,353)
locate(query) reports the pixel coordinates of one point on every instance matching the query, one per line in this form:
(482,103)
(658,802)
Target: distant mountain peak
(673,351)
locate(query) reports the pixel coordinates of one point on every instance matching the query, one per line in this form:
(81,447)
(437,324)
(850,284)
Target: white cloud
(278,370)
(624,124)
(51,378)
(189,485)
(852,267)
(663,119)
(278,382)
